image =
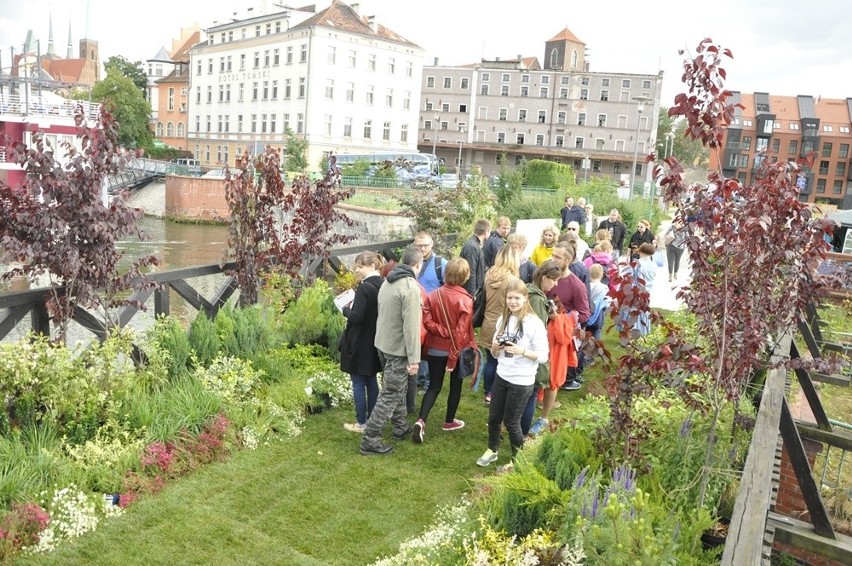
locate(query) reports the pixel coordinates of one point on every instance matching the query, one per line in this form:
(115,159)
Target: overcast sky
(784,47)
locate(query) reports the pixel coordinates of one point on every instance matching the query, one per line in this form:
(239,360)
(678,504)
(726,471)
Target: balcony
(37,105)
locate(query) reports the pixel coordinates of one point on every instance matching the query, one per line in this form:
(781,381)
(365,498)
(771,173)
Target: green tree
(134,71)
(296,152)
(131,111)
(688,151)
(548,174)
(509,182)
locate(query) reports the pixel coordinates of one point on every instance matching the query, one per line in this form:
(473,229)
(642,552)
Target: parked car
(449,180)
(188,165)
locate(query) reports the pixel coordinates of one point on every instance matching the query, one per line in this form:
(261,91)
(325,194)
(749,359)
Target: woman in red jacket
(448,318)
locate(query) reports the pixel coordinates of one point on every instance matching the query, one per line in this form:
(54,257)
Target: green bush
(564,454)
(314,319)
(548,174)
(167,347)
(526,498)
(29,463)
(204,339)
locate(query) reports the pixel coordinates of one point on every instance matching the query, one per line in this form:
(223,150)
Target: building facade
(340,81)
(788,127)
(168,89)
(519,109)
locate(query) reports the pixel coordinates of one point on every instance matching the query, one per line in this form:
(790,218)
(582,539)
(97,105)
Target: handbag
(467,363)
(479,308)
(669,238)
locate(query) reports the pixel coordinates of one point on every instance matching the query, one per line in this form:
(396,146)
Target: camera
(551,306)
(506,339)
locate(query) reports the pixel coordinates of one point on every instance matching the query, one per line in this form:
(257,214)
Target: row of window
(268,90)
(836,187)
(229,35)
(272,58)
(523,115)
(792,147)
(771,126)
(170,129)
(538,139)
(268,124)
(525,79)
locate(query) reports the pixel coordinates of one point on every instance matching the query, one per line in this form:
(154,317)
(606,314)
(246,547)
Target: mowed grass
(311,499)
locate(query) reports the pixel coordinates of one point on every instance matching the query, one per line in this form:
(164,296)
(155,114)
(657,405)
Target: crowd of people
(413,320)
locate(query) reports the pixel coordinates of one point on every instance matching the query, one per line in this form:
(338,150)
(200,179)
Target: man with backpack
(432,273)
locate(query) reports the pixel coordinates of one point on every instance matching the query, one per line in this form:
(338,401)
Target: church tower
(565,52)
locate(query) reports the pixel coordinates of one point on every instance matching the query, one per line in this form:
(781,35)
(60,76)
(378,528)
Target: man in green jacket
(398,341)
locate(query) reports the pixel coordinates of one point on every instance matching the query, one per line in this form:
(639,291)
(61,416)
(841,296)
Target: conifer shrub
(204,340)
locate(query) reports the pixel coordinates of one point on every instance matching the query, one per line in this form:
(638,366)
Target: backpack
(439,269)
(606,267)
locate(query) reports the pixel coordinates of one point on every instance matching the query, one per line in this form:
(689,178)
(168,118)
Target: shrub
(548,174)
(167,348)
(313,319)
(29,461)
(204,340)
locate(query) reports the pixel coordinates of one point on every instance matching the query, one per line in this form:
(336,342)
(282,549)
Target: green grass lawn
(312,499)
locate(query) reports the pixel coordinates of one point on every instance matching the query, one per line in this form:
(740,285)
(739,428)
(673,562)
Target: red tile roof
(342,17)
(566,35)
(64,70)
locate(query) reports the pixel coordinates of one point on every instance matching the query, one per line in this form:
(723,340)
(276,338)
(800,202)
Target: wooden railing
(16,305)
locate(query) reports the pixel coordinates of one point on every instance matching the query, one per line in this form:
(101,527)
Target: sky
(784,47)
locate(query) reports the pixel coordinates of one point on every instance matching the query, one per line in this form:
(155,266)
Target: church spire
(51,52)
(70,54)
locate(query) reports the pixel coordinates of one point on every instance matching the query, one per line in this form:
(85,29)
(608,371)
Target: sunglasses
(571,229)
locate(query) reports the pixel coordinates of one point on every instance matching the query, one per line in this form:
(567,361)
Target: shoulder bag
(468,358)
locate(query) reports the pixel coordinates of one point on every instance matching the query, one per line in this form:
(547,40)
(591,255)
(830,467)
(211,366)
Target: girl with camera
(519,346)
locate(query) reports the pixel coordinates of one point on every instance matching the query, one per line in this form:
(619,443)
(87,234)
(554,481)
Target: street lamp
(669,144)
(461,142)
(640,100)
(434,140)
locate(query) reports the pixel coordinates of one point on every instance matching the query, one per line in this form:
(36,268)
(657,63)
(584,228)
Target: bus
(409,165)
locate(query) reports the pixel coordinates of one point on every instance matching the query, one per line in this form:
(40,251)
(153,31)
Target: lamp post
(434,140)
(669,144)
(461,143)
(640,100)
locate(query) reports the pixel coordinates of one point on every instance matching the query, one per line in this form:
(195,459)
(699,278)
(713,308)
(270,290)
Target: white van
(193,166)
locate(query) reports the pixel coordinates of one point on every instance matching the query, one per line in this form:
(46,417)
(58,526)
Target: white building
(341,81)
(561,112)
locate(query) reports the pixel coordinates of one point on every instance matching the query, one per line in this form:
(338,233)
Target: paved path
(663,295)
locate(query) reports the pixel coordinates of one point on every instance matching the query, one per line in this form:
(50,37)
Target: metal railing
(37,105)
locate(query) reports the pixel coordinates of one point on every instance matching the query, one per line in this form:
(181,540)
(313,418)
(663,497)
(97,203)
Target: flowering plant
(21,527)
(331,387)
(72,513)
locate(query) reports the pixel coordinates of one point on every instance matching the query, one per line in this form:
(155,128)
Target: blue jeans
(529,411)
(365,391)
(490,370)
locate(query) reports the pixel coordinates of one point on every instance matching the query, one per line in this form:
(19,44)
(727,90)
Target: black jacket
(358,353)
(617,230)
(472,252)
(491,247)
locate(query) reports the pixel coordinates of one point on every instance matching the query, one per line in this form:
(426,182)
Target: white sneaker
(489,457)
(354,427)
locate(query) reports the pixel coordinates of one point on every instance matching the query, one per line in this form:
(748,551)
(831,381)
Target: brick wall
(195,198)
(791,503)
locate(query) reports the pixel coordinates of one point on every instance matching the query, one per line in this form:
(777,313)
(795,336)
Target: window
(823,167)
(448,82)
(445,125)
(300,123)
(776,145)
(625,83)
(254,123)
(820,185)
(585,81)
(285,121)
(504,90)
(579,141)
(347,127)
(762,144)
(563,93)
(429,106)
(209,94)
(369,95)
(288,83)
(485,77)
(840,169)
(221,64)
(180,130)
(332,55)
(464,83)
(254,91)
(501,137)
(350,92)
(289,58)
(519,139)
(502,115)
(210,66)
(221,94)
(159,129)
(391,67)
(542,92)
(542,116)
(198,68)
(525,91)
(263,122)
(406,100)
(171,101)
(747,123)
(389,98)
(430,82)
(581,119)
(525,78)
(239,122)
(574,59)
(539,139)
(368,129)
(584,94)
(303,53)
(565,80)
(445,107)
(602,120)
(837,187)
(844,151)
(302,86)
(329,88)
(794,126)
(826,149)
(746,143)
(794,147)
(560,141)
(351,58)
(545,79)
(616,167)
(409,71)
(646,84)
(371,63)
(827,128)
(266,58)
(403,133)
(844,129)
(257,59)
(505,77)
(483,89)
(427,124)
(561,117)
(522,115)
(604,95)
(386,127)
